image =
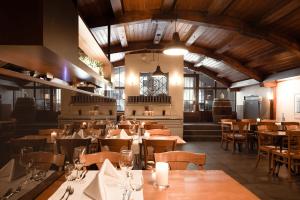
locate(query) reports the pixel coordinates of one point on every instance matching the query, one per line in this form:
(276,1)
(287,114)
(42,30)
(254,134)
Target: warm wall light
(176,79)
(132,79)
(269,96)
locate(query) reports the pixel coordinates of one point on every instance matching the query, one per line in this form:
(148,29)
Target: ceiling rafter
(230,43)
(231,62)
(218,7)
(122,36)
(196,34)
(222,22)
(168,5)
(160,31)
(117,7)
(208,72)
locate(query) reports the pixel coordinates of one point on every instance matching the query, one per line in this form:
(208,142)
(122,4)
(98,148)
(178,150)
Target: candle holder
(161,175)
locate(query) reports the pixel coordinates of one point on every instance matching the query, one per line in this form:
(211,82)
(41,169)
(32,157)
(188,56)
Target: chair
(44,160)
(99,158)
(164,132)
(124,126)
(289,126)
(269,120)
(115,132)
(252,137)
(265,142)
(225,128)
(238,135)
(156,146)
(289,156)
(179,160)
(115,145)
(67,146)
(37,144)
(153,126)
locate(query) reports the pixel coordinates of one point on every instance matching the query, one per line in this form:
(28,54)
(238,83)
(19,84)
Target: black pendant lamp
(158,73)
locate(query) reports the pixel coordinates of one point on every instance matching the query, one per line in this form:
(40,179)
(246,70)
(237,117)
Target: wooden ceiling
(233,39)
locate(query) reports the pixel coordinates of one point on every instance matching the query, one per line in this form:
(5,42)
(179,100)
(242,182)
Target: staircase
(201,132)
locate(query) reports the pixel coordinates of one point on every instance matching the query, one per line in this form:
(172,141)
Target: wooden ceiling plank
(117,7)
(122,36)
(229,43)
(233,63)
(197,33)
(208,72)
(160,31)
(218,7)
(168,5)
(280,11)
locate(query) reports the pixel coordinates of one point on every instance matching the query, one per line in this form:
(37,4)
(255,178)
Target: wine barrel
(221,109)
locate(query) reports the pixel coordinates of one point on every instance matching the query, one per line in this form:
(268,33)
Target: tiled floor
(241,166)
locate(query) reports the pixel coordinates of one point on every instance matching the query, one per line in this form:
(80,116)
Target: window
(119,83)
(189,93)
(153,86)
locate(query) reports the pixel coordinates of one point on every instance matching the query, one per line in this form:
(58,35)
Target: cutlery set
(11,193)
(69,191)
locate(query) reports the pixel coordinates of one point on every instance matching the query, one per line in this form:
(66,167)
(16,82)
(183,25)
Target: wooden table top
(179,140)
(184,184)
(273,133)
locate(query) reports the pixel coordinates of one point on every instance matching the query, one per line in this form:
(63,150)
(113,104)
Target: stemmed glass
(78,164)
(126,164)
(136,182)
(26,162)
(68,170)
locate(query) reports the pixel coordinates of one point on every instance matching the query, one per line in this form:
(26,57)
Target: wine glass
(136,182)
(126,161)
(26,161)
(78,164)
(68,170)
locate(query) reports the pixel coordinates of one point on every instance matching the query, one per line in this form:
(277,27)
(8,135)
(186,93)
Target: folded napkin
(78,135)
(123,135)
(11,171)
(106,185)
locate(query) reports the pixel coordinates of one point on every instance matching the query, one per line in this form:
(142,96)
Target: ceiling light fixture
(158,73)
(175,48)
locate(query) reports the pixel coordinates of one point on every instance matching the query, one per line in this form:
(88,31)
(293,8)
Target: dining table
(183,185)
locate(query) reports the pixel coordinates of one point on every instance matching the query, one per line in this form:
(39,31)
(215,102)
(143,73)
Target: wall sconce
(269,96)
(132,80)
(176,79)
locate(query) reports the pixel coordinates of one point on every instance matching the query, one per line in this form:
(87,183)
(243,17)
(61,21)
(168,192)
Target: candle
(53,136)
(142,125)
(162,173)
(258,119)
(146,134)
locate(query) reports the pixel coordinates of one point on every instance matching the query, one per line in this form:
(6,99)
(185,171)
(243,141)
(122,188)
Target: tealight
(146,134)
(53,136)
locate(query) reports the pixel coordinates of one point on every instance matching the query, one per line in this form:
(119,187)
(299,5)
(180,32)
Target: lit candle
(258,119)
(142,125)
(53,136)
(162,173)
(146,134)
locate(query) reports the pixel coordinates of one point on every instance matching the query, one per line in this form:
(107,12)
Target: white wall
(137,63)
(254,90)
(286,92)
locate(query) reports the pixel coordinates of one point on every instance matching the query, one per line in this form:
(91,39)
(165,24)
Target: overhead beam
(160,31)
(218,7)
(208,72)
(231,62)
(168,5)
(222,22)
(119,63)
(117,7)
(197,33)
(122,36)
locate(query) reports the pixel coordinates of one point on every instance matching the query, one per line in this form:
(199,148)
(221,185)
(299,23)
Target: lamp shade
(158,72)
(175,48)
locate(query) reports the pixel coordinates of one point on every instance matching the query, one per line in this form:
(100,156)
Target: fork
(67,190)
(71,191)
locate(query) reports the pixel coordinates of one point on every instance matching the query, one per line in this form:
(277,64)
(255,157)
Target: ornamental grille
(153,86)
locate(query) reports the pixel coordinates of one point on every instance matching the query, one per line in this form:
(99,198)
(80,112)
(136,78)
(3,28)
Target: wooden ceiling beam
(231,62)
(117,7)
(218,7)
(230,43)
(160,31)
(168,5)
(208,72)
(222,22)
(119,63)
(197,33)
(122,36)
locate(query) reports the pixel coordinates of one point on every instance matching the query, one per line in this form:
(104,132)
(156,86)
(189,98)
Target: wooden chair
(124,126)
(156,146)
(67,146)
(289,156)
(265,142)
(179,160)
(44,160)
(115,145)
(37,144)
(252,136)
(100,157)
(268,120)
(226,129)
(164,132)
(289,126)
(238,135)
(116,132)
(153,126)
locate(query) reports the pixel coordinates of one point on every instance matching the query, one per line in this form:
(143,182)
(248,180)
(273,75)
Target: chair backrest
(115,132)
(165,132)
(99,157)
(115,145)
(99,126)
(289,126)
(179,160)
(157,146)
(124,126)
(293,142)
(226,127)
(44,160)
(267,126)
(67,146)
(268,120)
(153,126)
(251,121)
(37,144)
(241,128)
(228,120)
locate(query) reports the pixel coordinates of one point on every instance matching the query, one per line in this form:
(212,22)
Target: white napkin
(123,135)
(106,185)
(78,135)
(11,171)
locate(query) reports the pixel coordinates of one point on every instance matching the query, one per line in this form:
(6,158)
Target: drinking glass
(78,164)
(68,170)
(26,161)
(126,161)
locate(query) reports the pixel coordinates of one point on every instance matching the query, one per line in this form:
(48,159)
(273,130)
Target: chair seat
(284,153)
(267,147)
(237,136)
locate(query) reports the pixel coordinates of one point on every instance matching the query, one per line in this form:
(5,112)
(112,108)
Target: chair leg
(270,160)
(258,159)
(233,146)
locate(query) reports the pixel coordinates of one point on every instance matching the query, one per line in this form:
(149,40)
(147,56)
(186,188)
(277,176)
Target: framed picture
(297,106)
